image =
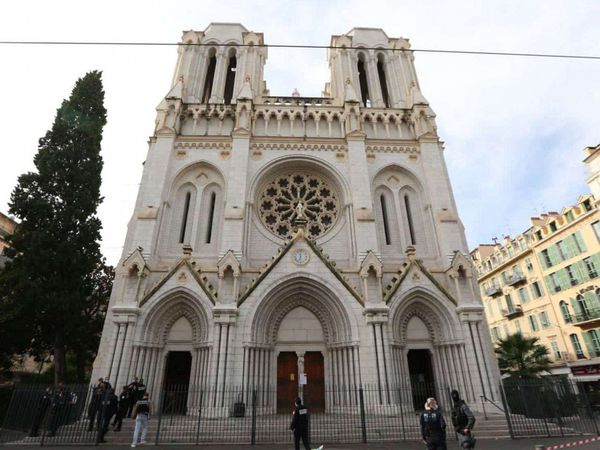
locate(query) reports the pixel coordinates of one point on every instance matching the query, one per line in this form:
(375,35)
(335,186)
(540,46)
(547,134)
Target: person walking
(141,412)
(433,426)
(463,421)
(299,425)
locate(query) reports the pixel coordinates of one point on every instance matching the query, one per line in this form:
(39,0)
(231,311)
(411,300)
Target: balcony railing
(516,278)
(513,312)
(493,291)
(588,318)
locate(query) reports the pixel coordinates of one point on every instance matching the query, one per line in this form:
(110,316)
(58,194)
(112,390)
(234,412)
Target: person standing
(433,426)
(141,412)
(463,421)
(43,406)
(132,388)
(109,409)
(95,402)
(299,425)
(60,401)
(124,400)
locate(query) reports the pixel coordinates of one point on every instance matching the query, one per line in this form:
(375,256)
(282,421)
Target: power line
(301,46)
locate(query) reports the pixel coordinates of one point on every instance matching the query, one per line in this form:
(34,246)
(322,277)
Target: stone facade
(324,226)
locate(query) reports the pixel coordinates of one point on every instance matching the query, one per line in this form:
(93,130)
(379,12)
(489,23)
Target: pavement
(487,444)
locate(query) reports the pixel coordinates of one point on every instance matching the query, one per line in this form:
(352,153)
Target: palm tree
(522,357)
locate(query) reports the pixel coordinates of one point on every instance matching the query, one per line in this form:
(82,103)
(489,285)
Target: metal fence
(241,414)
(550,407)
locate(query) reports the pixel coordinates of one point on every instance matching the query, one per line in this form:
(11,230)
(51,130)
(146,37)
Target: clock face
(301,256)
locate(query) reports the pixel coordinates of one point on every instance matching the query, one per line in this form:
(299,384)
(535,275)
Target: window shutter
(589,344)
(554,255)
(580,242)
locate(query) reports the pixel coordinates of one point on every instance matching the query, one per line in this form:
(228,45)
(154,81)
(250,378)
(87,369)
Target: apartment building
(545,282)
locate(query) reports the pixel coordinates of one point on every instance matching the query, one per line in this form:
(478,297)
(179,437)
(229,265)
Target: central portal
(288,381)
(177,382)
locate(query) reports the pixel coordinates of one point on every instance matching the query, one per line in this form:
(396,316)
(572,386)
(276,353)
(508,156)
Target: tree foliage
(48,289)
(522,357)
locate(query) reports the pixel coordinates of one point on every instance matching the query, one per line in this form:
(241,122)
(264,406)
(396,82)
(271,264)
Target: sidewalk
(487,444)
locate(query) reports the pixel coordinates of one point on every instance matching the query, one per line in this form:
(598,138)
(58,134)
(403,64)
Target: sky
(514,128)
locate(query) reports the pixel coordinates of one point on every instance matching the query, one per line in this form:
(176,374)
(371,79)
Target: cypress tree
(45,289)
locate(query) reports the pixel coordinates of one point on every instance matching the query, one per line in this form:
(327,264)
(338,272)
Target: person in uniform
(141,412)
(95,402)
(124,399)
(433,426)
(463,421)
(132,395)
(43,406)
(60,401)
(109,409)
(299,425)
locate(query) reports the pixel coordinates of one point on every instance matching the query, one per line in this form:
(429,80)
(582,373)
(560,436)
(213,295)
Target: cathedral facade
(296,242)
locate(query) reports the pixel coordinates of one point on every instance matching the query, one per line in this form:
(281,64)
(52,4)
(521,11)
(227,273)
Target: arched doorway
(300,337)
(177,382)
(422,381)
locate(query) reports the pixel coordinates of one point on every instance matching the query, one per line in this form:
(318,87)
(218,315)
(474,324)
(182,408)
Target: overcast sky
(514,128)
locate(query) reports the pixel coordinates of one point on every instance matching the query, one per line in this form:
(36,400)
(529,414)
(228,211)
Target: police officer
(132,395)
(300,425)
(43,406)
(109,409)
(122,409)
(433,426)
(60,402)
(463,421)
(95,402)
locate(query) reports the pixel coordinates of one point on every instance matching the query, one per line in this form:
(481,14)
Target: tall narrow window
(383,81)
(210,76)
(362,78)
(386,225)
(211,217)
(564,309)
(230,78)
(409,218)
(577,346)
(184,219)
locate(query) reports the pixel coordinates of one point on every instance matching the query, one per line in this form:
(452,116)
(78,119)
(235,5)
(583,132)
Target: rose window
(278,204)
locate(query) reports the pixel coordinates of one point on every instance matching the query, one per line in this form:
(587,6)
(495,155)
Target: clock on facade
(301,256)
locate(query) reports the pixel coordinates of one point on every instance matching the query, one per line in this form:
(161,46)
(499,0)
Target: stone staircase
(274,428)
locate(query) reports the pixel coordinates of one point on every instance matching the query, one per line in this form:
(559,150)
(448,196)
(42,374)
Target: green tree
(522,357)
(55,249)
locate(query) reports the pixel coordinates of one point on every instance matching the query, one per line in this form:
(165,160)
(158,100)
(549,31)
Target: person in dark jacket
(95,402)
(122,408)
(433,426)
(44,404)
(60,403)
(109,409)
(299,425)
(463,421)
(132,388)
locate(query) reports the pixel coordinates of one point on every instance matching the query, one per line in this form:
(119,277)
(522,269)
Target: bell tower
(216,73)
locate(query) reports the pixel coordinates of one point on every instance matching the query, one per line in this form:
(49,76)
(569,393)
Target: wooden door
(314,390)
(287,381)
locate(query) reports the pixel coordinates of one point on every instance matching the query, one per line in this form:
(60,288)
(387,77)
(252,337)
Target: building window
(556,350)
(230,78)
(591,267)
(596,227)
(546,261)
(564,309)
(211,218)
(583,307)
(579,243)
(184,218)
(509,303)
(410,220)
(595,340)
(572,275)
(561,250)
(210,76)
(544,319)
(538,235)
(569,216)
(362,79)
(517,326)
(553,226)
(382,81)
(533,323)
(536,289)
(386,225)
(495,333)
(523,296)
(577,346)
(529,265)
(554,282)
(587,205)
